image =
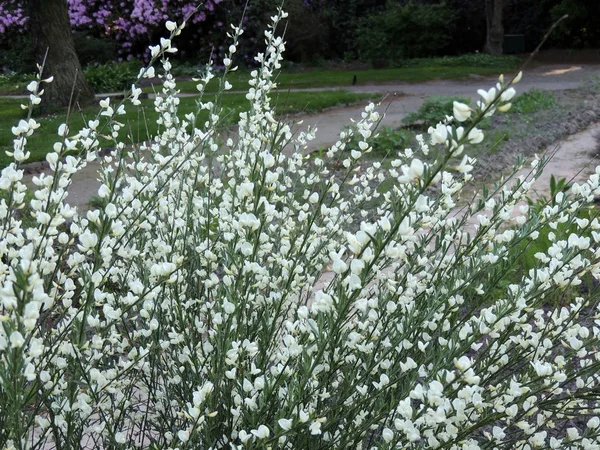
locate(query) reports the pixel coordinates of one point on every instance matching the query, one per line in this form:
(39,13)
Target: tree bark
(51,33)
(495,29)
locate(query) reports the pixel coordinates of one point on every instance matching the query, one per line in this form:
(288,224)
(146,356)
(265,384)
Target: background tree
(495,29)
(53,40)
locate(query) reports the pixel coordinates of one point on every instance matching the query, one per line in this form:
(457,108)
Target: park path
(401,99)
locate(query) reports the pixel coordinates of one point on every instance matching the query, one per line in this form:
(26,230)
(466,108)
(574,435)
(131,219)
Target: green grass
(386,139)
(533,101)
(41,142)
(467,60)
(408,71)
(433,110)
(14,83)
(342,78)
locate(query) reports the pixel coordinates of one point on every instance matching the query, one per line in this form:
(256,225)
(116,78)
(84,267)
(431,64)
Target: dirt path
(574,159)
(402,99)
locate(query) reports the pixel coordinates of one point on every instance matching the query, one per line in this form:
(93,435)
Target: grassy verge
(137,127)
(412,70)
(11,84)
(344,78)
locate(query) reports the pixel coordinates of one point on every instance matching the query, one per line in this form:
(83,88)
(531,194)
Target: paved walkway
(402,99)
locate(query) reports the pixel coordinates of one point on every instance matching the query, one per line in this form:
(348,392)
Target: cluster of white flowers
(224,295)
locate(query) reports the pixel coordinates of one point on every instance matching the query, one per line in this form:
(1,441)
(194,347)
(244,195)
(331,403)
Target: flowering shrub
(12,14)
(232,293)
(133,23)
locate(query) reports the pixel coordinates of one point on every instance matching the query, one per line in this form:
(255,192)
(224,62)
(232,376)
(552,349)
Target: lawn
(345,78)
(45,136)
(407,71)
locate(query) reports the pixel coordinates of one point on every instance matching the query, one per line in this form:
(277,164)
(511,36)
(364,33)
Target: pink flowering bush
(133,24)
(232,292)
(12,15)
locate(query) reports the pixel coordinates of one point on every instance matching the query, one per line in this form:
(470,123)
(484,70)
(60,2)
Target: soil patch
(518,134)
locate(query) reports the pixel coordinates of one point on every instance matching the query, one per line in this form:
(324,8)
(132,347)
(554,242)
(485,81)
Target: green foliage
(428,70)
(306,32)
(580,28)
(186,68)
(112,77)
(523,258)
(387,139)
(433,110)
(16,54)
(338,22)
(533,101)
(94,50)
(405,31)
(561,232)
(593,84)
(13,83)
(466,60)
(97,202)
(390,139)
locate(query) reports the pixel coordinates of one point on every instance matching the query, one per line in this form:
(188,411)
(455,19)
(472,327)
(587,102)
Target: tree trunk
(495,29)
(51,33)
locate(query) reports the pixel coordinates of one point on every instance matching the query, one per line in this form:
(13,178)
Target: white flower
(593,423)
(165,43)
(315,428)
(508,95)
(357,266)
(103,191)
(249,221)
(339,266)
(285,424)
(171,26)
(498,433)
(465,165)
(262,432)
(323,302)
(63,129)
(88,240)
(32,86)
(416,169)
(488,96)
(244,436)
(387,435)
(154,51)
(463,363)
(16,340)
(538,440)
(461,111)
(183,435)
(517,78)
(439,134)
(475,136)
(413,172)
(21,128)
